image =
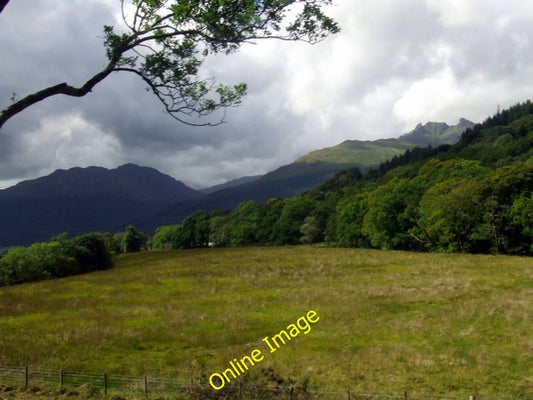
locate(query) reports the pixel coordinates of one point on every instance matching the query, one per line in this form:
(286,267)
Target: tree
(167,41)
(243,222)
(91,253)
(268,216)
(310,230)
(20,265)
(452,216)
(219,230)
(286,230)
(133,240)
(170,237)
(522,216)
(392,215)
(196,228)
(349,224)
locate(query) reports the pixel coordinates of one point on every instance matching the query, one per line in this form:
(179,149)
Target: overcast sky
(395,64)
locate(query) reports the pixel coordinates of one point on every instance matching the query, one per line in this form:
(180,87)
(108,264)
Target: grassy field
(435,324)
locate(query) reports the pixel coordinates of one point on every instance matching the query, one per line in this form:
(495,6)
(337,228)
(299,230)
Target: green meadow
(389,322)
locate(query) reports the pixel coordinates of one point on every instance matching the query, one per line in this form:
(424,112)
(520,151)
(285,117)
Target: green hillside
(362,153)
(433,325)
(365,154)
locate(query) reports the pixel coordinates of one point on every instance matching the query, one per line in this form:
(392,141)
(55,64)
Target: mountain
(436,133)
(366,154)
(311,170)
(286,181)
(228,184)
(85,199)
(81,200)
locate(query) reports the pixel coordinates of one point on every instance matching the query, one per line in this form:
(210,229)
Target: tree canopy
(166,41)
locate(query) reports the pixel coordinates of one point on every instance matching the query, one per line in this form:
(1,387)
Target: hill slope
(366,154)
(435,324)
(286,181)
(313,169)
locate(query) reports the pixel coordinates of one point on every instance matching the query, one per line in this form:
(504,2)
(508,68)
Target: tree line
(454,205)
(60,256)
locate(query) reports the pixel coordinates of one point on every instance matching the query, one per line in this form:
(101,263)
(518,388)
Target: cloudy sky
(395,64)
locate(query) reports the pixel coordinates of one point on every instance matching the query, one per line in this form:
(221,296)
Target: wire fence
(120,387)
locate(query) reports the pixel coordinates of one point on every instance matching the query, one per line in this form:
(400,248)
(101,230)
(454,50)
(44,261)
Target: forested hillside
(474,196)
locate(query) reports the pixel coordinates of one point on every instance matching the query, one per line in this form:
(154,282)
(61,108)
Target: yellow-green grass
(435,324)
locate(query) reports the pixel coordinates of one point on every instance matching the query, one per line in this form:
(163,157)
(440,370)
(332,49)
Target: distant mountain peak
(436,133)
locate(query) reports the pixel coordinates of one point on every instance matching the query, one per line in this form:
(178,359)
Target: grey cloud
(394,64)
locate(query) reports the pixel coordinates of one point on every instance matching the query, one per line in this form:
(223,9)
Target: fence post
(349,394)
(472,397)
(405,395)
(26,377)
(61,379)
(105,383)
(146,386)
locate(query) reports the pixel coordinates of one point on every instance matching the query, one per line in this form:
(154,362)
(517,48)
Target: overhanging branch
(166,45)
(62,88)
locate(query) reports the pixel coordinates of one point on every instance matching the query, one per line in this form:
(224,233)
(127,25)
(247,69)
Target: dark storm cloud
(394,64)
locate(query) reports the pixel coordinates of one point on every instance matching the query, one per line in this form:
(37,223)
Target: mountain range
(81,200)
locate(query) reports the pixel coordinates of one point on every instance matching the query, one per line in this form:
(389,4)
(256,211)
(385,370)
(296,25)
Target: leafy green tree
(349,225)
(196,229)
(269,214)
(18,266)
(219,230)
(179,239)
(90,252)
(113,242)
(133,240)
(310,230)
(170,237)
(521,214)
(243,223)
(37,262)
(435,171)
(452,216)
(56,258)
(391,220)
(166,43)
(53,258)
(161,238)
(507,184)
(287,228)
